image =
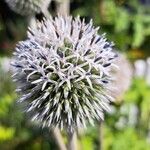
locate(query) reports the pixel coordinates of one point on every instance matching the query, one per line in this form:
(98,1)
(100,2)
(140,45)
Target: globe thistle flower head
(25,7)
(62,71)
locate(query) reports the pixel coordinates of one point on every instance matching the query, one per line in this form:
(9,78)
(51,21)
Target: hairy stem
(72,141)
(101,136)
(59,139)
(63,7)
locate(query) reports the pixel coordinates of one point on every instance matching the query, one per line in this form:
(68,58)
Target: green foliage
(138,92)
(87,143)
(5,103)
(90,139)
(129,129)
(6,133)
(138,36)
(125,140)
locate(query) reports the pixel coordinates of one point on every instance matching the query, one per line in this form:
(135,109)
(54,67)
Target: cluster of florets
(63,72)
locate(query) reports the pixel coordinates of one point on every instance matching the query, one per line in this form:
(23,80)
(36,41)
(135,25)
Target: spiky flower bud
(63,72)
(27,7)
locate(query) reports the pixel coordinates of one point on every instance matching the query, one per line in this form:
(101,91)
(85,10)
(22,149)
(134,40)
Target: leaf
(6,133)
(138,36)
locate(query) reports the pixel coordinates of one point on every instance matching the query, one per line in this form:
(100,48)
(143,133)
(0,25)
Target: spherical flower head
(25,7)
(62,70)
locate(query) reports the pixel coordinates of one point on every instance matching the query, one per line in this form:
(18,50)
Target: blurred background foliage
(127,126)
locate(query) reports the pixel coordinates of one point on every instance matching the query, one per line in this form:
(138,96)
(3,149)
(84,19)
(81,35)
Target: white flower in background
(142,69)
(63,72)
(148,71)
(129,116)
(5,64)
(28,7)
(123,77)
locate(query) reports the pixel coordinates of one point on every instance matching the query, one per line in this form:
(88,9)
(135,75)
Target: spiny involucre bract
(26,7)
(63,71)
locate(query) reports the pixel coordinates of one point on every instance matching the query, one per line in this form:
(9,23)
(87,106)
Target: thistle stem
(100,136)
(63,7)
(72,141)
(59,139)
